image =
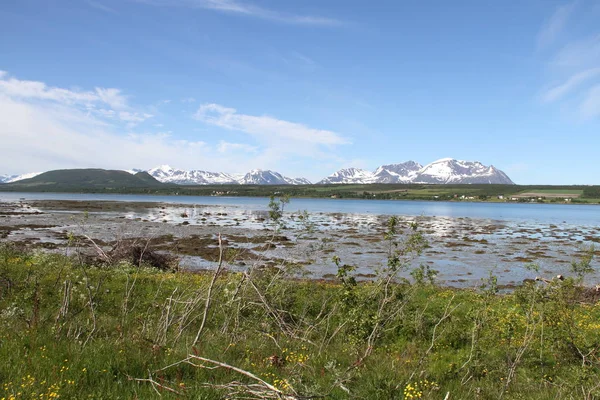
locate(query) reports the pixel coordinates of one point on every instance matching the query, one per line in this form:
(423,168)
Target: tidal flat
(463,250)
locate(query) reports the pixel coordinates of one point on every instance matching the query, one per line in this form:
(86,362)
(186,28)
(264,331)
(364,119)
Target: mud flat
(463,250)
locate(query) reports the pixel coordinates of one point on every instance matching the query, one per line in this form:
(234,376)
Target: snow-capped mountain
(14,178)
(167,174)
(446,170)
(297,181)
(349,175)
(261,177)
(397,173)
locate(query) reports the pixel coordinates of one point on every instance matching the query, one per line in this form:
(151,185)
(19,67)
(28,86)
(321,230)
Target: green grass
(558,191)
(70,330)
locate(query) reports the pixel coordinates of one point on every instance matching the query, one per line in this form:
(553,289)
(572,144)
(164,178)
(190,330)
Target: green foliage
(276,207)
(423,274)
(76,331)
(592,192)
(583,266)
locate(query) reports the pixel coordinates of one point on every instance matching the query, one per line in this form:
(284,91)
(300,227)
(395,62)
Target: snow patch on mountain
(14,178)
(262,177)
(349,175)
(448,170)
(397,173)
(297,181)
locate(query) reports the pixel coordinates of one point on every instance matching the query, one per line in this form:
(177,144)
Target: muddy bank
(463,250)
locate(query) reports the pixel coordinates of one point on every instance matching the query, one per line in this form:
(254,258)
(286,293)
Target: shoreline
(342,199)
(464,250)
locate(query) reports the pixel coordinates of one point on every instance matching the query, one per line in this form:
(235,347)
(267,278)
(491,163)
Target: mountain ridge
(88,179)
(442,171)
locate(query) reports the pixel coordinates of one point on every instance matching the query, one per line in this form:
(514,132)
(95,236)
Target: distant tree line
(591,192)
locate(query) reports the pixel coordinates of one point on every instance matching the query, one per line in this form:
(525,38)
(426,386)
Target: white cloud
(42,136)
(590,108)
(104,112)
(265,127)
(46,128)
(103,102)
(555,25)
(557,92)
(36,90)
(39,91)
(247,9)
(112,97)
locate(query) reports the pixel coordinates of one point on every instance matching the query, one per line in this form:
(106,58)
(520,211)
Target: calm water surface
(586,215)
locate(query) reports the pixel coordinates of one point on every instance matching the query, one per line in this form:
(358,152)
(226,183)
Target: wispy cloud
(248,9)
(303,58)
(555,25)
(590,108)
(266,126)
(579,53)
(299,61)
(134,117)
(574,82)
(576,63)
(99,6)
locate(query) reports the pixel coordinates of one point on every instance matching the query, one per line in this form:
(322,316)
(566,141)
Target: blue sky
(301,87)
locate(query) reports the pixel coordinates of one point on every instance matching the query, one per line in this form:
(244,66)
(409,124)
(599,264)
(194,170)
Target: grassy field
(71,327)
(560,191)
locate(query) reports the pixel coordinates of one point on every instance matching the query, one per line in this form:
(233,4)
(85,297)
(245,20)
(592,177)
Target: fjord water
(571,214)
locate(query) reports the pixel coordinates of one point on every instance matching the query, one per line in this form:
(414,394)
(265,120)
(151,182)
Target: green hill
(85,180)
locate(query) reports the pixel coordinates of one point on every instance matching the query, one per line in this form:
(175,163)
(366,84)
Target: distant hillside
(84,180)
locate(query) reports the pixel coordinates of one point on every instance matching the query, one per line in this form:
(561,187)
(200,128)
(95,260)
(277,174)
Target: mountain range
(167,174)
(444,171)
